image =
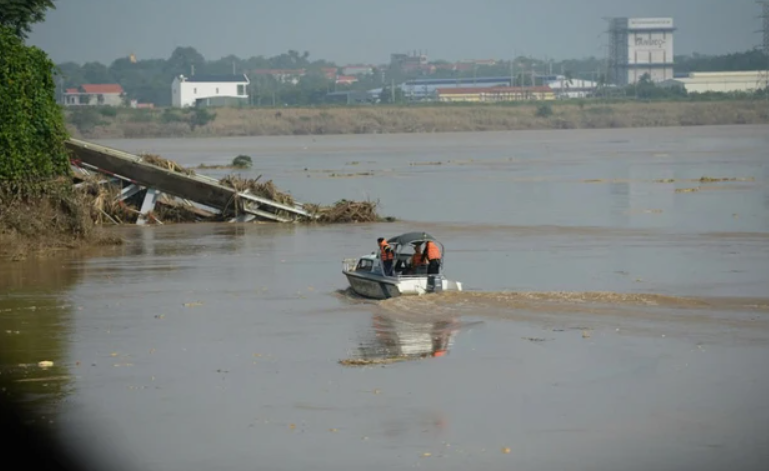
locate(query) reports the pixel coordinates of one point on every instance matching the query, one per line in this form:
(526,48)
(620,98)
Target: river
(609,321)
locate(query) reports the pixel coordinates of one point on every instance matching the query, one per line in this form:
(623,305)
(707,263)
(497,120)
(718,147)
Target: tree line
(149,80)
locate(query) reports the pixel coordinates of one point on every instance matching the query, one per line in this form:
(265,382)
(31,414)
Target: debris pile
(165,164)
(344,211)
(264,190)
(105,205)
(115,202)
(108,208)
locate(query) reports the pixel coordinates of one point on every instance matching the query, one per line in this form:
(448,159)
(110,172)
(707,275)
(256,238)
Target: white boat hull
(380,287)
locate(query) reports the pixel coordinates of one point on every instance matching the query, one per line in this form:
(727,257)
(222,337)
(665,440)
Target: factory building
(426,89)
(495,94)
(719,82)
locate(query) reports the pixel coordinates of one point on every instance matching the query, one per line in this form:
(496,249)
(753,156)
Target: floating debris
(351,175)
(344,211)
(41,380)
(713,180)
(376,361)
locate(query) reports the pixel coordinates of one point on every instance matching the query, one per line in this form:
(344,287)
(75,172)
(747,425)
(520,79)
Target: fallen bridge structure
(204,196)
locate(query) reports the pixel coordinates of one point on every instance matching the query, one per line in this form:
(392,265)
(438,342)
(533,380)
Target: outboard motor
(434,283)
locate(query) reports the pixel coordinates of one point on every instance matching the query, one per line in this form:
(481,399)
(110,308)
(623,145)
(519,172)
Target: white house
(186,91)
(95,94)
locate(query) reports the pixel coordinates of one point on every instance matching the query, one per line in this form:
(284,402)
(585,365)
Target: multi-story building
(639,46)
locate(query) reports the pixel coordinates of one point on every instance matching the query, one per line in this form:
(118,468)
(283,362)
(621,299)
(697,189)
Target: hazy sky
(351,31)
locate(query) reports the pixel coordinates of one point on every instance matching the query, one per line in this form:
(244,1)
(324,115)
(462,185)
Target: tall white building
(639,46)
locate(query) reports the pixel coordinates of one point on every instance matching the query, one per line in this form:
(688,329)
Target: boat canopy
(411,237)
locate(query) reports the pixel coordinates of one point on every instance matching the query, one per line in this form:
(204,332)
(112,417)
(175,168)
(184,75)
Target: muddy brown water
(609,321)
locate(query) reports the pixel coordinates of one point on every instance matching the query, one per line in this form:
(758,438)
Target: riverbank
(44,221)
(228,122)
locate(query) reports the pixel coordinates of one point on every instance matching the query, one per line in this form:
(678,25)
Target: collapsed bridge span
(135,176)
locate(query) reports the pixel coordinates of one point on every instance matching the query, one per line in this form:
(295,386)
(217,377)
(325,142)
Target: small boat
(367,278)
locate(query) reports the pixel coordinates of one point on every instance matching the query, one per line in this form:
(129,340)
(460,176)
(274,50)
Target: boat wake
(506,304)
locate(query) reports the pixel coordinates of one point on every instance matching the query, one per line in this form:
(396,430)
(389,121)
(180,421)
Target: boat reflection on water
(400,337)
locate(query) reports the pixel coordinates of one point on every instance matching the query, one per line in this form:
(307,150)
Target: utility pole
(764,16)
(764,24)
(533,74)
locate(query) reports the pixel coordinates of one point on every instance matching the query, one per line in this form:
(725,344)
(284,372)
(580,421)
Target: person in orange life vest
(387,255)
(433,257)
(416,259)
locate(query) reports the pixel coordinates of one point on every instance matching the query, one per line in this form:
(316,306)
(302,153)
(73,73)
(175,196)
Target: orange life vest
(386,251)
(417,260)
(432,252)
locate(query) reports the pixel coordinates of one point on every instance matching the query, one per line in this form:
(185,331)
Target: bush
(85,119)
(32,131)
(171,116)
(544,110)
(141,115)
(201,117)
(242,161)
(108,111)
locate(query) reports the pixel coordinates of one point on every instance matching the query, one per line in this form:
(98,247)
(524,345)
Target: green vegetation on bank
(39,209)
(32,135)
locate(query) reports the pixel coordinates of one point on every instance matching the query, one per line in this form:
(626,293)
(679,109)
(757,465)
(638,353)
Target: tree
(95,72)
(72,74)
(32,134)
(19,15)
(645,87)
(391,95)
(183,60)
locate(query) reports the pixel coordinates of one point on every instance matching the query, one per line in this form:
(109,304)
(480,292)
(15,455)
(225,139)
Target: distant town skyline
(360,32)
